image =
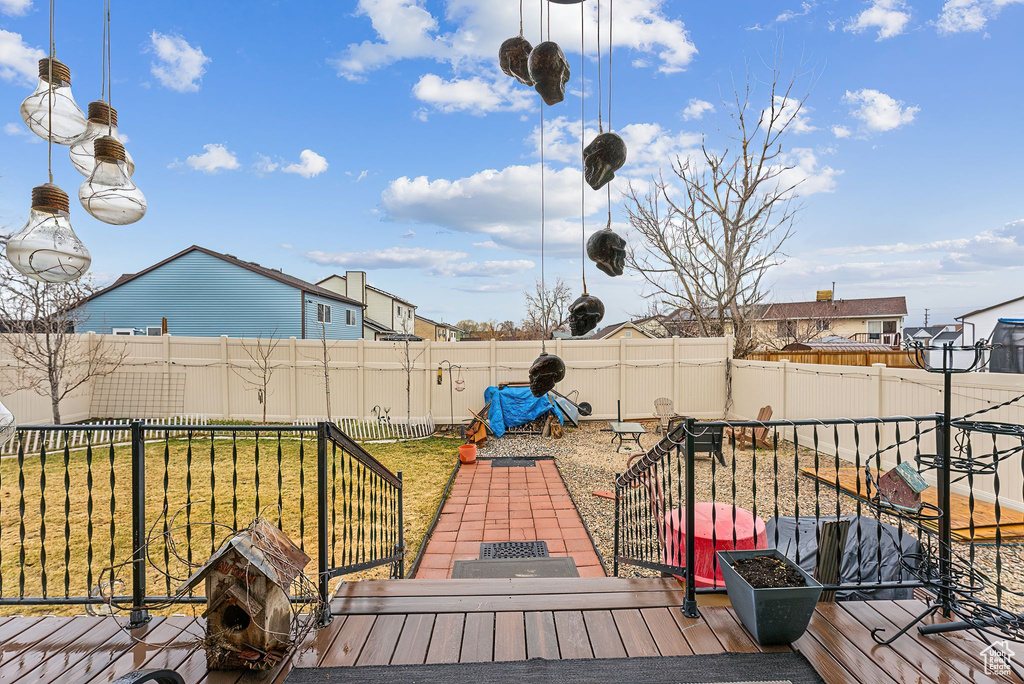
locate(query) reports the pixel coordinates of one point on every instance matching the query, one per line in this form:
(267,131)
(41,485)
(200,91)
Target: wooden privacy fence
(892,359)
(369,379)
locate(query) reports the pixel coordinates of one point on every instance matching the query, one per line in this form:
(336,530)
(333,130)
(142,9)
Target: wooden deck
(449,621)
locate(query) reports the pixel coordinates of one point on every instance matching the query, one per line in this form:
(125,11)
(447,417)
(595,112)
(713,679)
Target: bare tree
(408,363)
(708,238)
(324,359)
(547,308)
(797,331)
(259,373)
(37,329)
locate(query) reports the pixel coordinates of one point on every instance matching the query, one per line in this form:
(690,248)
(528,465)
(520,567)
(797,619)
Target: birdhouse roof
(911,477)
(269,550)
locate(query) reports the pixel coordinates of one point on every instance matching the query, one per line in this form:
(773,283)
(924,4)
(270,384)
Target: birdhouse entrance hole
(235,618)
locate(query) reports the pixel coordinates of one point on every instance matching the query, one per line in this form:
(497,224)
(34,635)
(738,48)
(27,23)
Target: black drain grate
(513,549)
(513,463)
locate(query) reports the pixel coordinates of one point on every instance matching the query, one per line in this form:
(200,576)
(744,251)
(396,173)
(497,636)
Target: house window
(323,313)
(823,324)
(786,329)
(350,317)
(123,331)
(629,333)
(889,327)
(155,331)
(399,310)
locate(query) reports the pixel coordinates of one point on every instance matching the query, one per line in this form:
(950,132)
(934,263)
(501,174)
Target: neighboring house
(836,343)
(979,325)
(878,320)
(438,332)
(653,326)
(202,293)
(615,331)
(386,314)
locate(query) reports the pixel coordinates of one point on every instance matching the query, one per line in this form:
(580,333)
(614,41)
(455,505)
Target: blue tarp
(515,406)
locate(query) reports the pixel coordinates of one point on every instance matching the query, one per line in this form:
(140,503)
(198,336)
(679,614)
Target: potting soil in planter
(765,572)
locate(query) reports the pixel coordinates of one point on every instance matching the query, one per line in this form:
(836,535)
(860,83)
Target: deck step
(515,568)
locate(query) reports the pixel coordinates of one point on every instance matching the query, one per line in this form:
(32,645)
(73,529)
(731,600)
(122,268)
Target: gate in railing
(696,491)
(87,519)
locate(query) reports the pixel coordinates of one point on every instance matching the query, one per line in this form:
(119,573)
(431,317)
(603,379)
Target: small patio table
(630,431)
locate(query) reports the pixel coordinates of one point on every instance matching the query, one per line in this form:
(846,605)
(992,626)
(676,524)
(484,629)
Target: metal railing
(674,507)
(86,519)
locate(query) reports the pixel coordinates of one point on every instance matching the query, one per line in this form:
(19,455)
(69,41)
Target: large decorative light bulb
(63,116)
(109,193)
(8,426)
(47,249)
(102,121)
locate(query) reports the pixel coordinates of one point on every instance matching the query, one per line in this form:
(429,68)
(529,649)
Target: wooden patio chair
(752,436)
(664,412)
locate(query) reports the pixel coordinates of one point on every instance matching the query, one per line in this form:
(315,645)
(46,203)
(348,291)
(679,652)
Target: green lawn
(65,554)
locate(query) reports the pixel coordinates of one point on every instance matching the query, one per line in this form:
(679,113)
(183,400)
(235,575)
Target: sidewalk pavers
(507,504)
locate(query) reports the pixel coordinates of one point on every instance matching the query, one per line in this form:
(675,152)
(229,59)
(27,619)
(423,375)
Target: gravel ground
(588,462)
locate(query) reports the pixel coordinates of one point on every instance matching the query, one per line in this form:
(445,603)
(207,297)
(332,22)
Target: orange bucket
(467,453)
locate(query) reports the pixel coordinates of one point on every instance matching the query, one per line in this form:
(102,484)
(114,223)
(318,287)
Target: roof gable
(251,266)
(840,308)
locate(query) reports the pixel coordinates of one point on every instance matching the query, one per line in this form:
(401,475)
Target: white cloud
(407,30)
(178,66)
(696,109)
(362,175)
(841,131)
(890,17)
(879,111)
(805,9)
(216,158)
(18,130)
(791,113)
(806,173)
(310,164)
(409,234)
(265,164)
(15,8)
(18,61)
(959,16)
(475,95)
(433,261)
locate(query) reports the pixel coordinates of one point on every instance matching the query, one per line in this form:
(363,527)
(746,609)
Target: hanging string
(49,101)
(600,94)
(110,79)
(583,130)
(611,23)
(103,57)
(543,283)
(520,18)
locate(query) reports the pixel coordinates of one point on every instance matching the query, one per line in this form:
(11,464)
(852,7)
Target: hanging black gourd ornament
(549,71)
(514,58)
(602,158)
(608,250)
(584,314)
(547,371)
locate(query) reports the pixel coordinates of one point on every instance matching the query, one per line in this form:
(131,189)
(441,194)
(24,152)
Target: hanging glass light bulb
(39,113)
(8,426)
(47,249)
(102,121)
(109,193)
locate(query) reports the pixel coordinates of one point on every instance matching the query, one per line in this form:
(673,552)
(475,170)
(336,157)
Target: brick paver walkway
(507,504)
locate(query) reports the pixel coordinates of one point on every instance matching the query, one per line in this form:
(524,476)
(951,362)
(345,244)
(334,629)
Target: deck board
(90,650)
(378,605)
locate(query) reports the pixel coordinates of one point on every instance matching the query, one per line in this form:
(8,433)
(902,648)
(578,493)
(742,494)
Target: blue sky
(379,135)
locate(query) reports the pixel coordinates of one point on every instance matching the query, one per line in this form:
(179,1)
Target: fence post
(783,373)
(879,393)
(494,364)
(428,380)
(690,606)
(225,379)
(622,377)
(361,378)
(401,530)
(138,616)
(293,376)
(321,521)
(676,372)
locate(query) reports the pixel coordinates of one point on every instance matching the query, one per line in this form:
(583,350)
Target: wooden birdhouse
(901,488)
(248,612)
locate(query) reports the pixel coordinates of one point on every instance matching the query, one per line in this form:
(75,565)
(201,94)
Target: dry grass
(70,538)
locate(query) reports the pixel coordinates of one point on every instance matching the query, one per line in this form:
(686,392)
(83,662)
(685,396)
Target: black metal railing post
(139,616)
(401,530)
(944,483)
(323,561)
(690,607)
(618,503)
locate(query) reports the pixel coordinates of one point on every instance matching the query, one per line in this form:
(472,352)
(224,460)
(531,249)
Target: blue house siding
(338,328)
(203,296)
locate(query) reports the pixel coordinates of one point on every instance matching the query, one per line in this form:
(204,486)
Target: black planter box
(772,616)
